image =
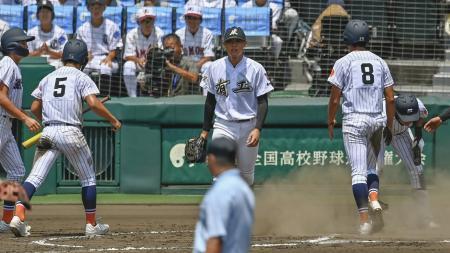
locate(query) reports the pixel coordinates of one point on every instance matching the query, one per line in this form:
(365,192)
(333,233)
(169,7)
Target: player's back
(62,93)
(362,77)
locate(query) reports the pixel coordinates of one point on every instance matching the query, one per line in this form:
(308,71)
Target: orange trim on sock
(373,196)
(7,215)
(90,218)
(20,212)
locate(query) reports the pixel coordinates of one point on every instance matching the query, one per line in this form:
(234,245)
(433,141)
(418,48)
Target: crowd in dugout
(103,37)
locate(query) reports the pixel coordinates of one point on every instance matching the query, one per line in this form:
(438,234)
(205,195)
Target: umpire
(226,213)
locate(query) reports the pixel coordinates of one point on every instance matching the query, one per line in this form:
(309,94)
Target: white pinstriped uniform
(362,77)
(402,143)
(9,152)
(100,42)
(62,93)
(198,45)
(236,90)
(55,40)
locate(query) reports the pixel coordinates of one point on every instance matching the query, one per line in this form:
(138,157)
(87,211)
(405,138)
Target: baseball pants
(129,76)
(357,130)
(96,65)
(239,131)
(70,141)
(9,152)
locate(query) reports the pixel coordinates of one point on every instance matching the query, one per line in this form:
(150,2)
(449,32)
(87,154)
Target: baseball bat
(31,141)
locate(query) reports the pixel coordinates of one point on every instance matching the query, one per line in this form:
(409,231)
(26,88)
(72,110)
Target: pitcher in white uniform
(59,103)
(363,79)
(14,47)
(237,88)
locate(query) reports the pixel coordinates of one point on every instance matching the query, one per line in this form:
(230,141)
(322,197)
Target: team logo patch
(54,44)
(221,87)
(17,84)
(116,35)
(243,86)
(234,32)
(105,39)
(61,40)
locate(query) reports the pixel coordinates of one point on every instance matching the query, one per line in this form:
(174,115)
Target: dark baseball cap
(235,33)
(224,149)
(45,4)
(90,2)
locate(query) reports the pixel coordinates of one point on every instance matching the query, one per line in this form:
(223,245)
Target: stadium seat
(211,19)
(278,2)
(64,17)
(12,14)
(112,13)
(163,18)
(126,3)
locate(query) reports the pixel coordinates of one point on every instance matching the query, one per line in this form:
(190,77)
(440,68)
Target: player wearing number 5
(59,102)
(362,78)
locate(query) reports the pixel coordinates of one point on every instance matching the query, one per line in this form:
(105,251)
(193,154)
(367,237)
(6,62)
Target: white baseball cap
(146,12)
(193,10)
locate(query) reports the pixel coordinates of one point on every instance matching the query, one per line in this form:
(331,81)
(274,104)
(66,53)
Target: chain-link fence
(297,42)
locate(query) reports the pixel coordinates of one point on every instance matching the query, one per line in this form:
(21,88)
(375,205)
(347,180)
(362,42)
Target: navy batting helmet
(75,50)
(407,108)
(45,4)
(356,31)
(11,42)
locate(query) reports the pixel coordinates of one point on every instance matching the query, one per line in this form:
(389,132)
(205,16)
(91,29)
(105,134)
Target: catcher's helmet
(75,50)
(45,4)
(356,31)
(407,108)
(10,42)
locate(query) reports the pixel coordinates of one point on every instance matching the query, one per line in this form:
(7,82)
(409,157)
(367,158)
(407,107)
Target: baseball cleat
(375,206)
(365,228)
(4,227)
(99,229)
(19,228)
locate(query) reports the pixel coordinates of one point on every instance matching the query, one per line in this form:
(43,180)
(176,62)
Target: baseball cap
(193,10)
(223,149)
(235,33)
(407,108)
(146,12)
(45,4)
(339,2)
(89,2)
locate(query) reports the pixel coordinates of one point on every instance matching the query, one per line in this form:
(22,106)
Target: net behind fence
(297,42)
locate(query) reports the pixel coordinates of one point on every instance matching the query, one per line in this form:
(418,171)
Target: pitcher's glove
(195,150)
(417,153)
(13,191)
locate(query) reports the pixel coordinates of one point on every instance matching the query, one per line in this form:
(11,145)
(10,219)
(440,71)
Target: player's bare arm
(102,111)
(436,122)
(214,245)
(333,105)
(109,58)
(210,105)
(36,108)
(6,103)
(193,77)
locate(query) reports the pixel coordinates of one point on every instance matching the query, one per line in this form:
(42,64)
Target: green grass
(120,199)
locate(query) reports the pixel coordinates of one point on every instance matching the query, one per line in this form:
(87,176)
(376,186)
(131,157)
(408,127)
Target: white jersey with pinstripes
(198,45)
(100,40)
(62,93)
(11,77)
(362,77)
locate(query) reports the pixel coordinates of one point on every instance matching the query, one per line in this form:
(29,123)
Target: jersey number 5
(367,74)
(60,88)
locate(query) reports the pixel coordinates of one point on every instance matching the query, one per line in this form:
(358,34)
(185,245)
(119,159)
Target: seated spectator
(49,38)
(137,42)
(211,3)
(197,40)
(149,3)
(335,8)
(54,2)
(3,27)
(102,37)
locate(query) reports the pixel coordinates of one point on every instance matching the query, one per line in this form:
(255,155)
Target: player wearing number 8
(362,79)
(58,103)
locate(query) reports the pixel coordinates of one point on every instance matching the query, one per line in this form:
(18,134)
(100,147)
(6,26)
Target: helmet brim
(23,38)
(409,118)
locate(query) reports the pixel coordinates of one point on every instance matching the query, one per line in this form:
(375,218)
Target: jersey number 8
(367,74)
(60,88)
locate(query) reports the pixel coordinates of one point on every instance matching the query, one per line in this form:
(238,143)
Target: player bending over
(59,102)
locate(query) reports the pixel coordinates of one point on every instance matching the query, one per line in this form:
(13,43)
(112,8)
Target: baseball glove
(13,191)
(387,135)
(195,150)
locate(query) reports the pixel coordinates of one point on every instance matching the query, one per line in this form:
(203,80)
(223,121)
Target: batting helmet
(75,50)
(10,42)
(356,31)
(407,108)
(45,4)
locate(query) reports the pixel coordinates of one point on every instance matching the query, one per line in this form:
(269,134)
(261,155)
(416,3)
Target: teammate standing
(14,47)
(237,95)
(362,78)
(227,210)
(410,111)
(59,102)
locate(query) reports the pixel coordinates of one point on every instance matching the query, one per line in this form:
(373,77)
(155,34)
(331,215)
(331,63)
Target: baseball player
(436,122)
(50,38)
(362,78)
(102,37)
(14,47)
(59,101)
(227,210)
(137,42)
(197,40)
(410,111)
(237,89)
